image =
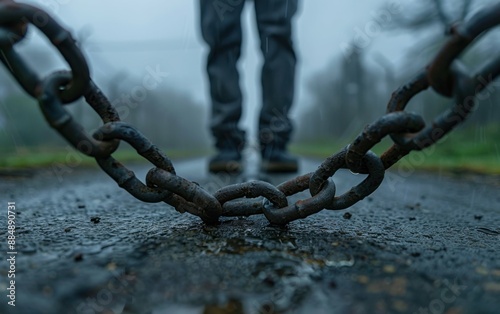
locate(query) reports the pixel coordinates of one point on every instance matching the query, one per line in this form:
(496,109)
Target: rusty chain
(445,74)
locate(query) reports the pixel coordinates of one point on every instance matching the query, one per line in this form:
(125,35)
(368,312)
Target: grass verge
(474,150)
(465,150)
(39,158)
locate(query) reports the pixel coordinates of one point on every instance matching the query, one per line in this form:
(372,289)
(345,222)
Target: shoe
(277,159)
(226,160)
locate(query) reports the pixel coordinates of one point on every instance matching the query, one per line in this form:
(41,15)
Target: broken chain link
(445,74)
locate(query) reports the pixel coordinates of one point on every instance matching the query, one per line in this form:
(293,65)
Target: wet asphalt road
(422,243)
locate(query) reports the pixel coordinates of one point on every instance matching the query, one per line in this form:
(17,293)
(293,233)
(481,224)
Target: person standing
(221,30)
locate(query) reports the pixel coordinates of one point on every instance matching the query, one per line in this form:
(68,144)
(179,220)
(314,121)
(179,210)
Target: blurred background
(352,55)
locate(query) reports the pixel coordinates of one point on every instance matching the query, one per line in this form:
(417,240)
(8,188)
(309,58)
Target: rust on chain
(211,208)
(125,178)
(301,208)
(251,189)
(100,103)
(391,123)
(394,154)
(125,132)
(61,120)
(243,207)
(400,99)
(295,185)
(445,74)
(183,206)
(338,161)
(439,74)
(401,96)
(239,207)
(464,102)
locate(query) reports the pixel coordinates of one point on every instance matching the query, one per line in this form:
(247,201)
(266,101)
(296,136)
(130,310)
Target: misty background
(352,55)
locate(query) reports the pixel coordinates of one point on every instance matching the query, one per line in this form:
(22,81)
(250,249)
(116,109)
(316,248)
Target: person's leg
(274,22)
(221,30)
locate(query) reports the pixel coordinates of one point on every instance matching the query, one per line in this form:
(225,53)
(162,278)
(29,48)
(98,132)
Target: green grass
(465,150)
(43,157)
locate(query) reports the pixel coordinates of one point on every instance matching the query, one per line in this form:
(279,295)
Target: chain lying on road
(445,74)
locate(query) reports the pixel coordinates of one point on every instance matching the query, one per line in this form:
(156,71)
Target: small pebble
(78,257)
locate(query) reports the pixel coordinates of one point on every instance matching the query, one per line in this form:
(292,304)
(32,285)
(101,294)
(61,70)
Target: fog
(128,37)
(337,92)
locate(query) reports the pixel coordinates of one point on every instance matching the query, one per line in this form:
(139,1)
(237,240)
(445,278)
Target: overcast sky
(113,31)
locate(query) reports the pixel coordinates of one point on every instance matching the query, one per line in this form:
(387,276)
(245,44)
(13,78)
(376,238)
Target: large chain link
(445,74)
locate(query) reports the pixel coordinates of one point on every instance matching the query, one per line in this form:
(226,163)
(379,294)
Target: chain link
(445,74)
(12,13)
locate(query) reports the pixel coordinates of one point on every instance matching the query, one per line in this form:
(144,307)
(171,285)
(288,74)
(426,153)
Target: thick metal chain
(445,74)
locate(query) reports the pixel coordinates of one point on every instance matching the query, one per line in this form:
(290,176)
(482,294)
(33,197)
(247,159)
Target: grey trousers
(221,30)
